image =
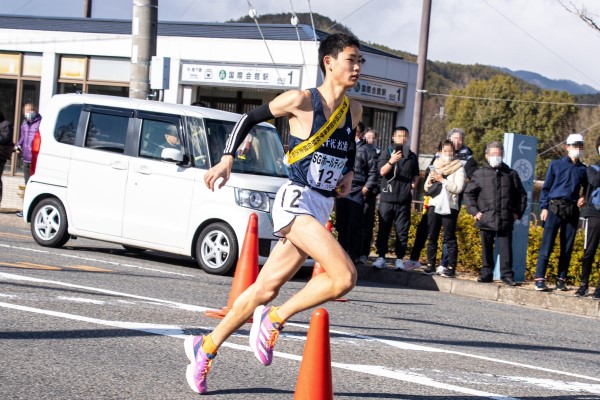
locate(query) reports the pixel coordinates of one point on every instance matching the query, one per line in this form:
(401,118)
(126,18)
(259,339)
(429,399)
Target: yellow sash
(312,143)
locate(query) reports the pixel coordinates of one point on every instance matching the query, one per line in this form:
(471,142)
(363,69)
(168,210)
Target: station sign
(240,75)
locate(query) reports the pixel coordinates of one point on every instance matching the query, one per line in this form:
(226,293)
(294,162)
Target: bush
(469,249)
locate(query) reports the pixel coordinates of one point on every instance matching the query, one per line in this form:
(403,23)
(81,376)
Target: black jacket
(6,142)
(593,177)
(497,193)
(365,168)
(396,185)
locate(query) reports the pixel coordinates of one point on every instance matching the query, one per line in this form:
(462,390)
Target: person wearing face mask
(560,200)
(29,127)
(592,215)
(495,198)
(448,173)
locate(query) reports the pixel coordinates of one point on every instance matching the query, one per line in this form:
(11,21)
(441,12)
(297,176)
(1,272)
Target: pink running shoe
(200,363)
(263,335)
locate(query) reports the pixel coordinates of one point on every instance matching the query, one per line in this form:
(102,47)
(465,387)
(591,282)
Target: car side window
(67,120)
(157,136)
(106,132)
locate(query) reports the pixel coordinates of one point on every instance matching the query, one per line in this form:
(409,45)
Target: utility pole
(415,137)
(87,8)
(144,27)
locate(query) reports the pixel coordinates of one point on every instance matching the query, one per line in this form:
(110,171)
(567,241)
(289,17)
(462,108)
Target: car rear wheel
(217,249)
(49,223)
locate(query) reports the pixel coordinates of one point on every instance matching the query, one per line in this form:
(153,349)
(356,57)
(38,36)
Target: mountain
(551,84)
(441,76)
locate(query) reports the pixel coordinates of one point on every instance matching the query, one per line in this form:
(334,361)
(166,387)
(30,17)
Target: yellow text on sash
(311,144)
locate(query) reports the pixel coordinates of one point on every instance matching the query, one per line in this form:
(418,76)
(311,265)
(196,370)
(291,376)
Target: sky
(531,35)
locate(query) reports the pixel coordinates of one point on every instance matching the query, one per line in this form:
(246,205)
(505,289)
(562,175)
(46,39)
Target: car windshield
(261,152)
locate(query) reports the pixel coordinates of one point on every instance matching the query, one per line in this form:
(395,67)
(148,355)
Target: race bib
(324,171)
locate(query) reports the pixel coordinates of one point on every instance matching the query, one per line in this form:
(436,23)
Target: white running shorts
(292,200)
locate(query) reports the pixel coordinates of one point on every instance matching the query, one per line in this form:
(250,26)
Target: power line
(187,9)
(252,13)
(583,133)
(540,43)
(364,5)
(513,100)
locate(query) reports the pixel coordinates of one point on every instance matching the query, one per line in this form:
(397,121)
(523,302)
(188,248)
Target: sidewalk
(466,285)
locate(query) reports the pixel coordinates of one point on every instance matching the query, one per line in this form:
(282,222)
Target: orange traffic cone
(314,379)
(246,269)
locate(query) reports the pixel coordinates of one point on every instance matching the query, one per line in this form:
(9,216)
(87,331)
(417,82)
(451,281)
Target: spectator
(560,200)
(449,175)
(463,153)
(399,169)
(496,198)
(349,215)
(6,146)
(29,127)
(371,138)
(592,214)
(370,202)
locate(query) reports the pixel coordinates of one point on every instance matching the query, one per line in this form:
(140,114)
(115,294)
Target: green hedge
(469,249)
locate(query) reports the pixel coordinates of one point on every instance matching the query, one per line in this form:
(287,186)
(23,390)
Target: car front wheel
(49,223)
(217,249)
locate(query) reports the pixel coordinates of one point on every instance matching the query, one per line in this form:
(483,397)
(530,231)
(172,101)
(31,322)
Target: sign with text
(285,77)
(519,153)
(389,92)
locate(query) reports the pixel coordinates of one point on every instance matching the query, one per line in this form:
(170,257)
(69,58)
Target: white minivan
(131,172)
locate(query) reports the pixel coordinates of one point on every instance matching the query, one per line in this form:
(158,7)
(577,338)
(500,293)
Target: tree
(486,109)
(581,12)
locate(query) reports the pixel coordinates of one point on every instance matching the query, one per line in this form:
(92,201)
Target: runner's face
(346,67)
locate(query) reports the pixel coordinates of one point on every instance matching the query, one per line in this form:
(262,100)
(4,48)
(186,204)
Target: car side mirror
(174,155)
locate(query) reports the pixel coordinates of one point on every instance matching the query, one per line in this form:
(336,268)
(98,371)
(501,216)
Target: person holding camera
(560,200)
(399,169)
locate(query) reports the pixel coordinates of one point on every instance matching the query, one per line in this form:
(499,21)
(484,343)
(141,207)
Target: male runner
(301,208)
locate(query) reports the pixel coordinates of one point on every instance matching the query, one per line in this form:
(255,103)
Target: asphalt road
(91,321)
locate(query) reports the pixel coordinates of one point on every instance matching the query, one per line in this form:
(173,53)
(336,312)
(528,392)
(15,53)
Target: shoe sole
(188,346)
(255,330)
(541,289)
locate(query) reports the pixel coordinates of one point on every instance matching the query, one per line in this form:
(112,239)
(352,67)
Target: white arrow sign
(521,147)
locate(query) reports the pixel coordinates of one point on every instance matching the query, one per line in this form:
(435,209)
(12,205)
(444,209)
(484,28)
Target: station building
(228,66)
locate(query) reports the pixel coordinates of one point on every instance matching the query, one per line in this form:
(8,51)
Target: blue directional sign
(519,154)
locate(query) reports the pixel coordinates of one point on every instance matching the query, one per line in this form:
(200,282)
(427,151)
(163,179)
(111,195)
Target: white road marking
(557,385)
(81,300)
(96,260)
(393,343)
(177,332)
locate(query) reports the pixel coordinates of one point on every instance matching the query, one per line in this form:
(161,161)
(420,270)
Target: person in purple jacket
(29,127)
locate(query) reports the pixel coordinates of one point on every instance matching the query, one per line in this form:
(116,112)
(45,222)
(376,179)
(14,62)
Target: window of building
(32,65)
(95,75)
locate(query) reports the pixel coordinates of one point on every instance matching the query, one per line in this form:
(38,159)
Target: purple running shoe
(263,335)
(200,363)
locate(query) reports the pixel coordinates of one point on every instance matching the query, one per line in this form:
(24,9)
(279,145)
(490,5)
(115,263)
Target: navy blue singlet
(321,169)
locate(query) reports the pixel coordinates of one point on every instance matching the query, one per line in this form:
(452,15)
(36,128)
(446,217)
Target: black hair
(401,128)
(334,44)
(1,117)
(598,142)
(361,126)
(446,142)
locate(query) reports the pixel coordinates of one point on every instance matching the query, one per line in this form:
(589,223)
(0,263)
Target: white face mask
(599,150)
(30,116)
(575,153)
(447,158)
(495,161)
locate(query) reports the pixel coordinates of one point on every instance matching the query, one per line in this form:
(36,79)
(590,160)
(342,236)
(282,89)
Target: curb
(523,295)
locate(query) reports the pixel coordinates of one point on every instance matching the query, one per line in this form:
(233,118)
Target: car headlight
(252,199)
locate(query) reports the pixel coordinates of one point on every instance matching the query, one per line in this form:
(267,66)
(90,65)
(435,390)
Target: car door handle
(118,165)
(143,169)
